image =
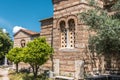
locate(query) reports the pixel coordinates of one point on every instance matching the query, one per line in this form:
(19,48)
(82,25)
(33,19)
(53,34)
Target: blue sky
(24,13)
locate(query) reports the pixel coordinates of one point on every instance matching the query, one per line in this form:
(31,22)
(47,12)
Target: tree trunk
(35,76)
(17,67)
(35,71)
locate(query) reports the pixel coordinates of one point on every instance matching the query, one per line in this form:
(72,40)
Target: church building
(68,36)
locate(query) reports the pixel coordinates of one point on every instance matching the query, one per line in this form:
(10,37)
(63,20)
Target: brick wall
(46,29)
(65,10)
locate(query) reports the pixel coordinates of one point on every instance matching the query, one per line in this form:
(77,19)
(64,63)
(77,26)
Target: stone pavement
(4,74)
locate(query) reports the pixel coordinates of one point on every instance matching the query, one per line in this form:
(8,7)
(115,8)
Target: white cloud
(17,28)
(4,30)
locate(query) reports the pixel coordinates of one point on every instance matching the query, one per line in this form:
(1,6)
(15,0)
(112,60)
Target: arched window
(22,43)
(71,24)
(63,34)
(67,34)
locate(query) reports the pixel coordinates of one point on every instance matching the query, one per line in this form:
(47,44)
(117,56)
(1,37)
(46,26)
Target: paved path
(4,73)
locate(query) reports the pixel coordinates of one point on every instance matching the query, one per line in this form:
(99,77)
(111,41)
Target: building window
(63,34)
(67,34)
(22,43)
(71,24)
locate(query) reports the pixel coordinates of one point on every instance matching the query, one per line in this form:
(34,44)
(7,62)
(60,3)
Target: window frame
(67,30)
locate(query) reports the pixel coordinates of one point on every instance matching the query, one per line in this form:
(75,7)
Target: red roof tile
(28,32)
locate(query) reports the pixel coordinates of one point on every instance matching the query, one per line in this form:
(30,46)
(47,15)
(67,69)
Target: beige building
(69,38)
(23,36)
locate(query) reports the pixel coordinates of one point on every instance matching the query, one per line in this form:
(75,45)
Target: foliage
(5,43)
(15,55)
(116,6)
(106,27)
(36,53)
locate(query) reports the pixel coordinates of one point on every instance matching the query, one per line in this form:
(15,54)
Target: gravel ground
(4,74)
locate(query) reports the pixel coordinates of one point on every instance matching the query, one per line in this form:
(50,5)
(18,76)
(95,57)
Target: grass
(25,76)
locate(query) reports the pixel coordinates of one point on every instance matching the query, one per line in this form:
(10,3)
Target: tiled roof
(28,32)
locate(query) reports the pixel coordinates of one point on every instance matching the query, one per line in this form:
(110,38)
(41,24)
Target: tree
(15,55)
(106,24)
(36,53)
(5,43)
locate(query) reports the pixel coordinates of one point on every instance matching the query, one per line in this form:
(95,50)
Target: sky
(16,14)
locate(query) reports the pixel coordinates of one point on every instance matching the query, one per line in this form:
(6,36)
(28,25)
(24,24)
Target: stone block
(79,69)
(56,66)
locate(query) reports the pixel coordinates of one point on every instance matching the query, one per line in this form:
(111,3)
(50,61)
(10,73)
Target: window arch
(71,24)
(23,43)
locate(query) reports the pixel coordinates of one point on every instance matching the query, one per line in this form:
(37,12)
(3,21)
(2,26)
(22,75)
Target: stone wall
(46,29)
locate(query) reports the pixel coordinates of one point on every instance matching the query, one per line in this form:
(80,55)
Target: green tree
(36,53)
(5,44)
(105,25)
(15,55)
